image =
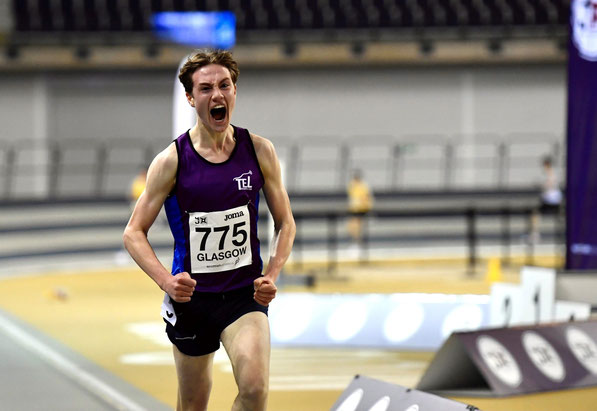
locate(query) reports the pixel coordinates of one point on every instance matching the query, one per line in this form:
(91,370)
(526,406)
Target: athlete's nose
(218,93)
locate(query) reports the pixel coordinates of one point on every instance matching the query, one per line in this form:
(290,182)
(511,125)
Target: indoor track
(93,339)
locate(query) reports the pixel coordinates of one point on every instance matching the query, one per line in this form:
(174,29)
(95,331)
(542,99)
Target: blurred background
(447,109)
(445,104)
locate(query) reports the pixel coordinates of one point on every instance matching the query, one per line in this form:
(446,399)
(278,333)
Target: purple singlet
(213,212)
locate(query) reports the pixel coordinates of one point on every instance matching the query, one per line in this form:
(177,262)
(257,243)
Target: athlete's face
(214,96)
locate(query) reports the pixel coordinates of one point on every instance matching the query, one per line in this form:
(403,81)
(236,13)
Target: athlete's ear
(190,99)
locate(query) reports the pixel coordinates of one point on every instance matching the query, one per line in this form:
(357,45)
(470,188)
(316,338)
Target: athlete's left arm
(284,226)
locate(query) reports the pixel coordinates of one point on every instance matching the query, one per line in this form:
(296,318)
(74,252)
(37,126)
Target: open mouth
(218,112)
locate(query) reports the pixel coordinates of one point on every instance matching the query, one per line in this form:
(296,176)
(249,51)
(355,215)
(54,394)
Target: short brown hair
(203,58)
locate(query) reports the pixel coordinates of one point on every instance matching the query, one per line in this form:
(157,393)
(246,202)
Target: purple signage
(581,179)
(518,360)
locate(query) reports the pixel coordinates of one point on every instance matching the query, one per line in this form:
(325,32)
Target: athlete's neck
(206,139)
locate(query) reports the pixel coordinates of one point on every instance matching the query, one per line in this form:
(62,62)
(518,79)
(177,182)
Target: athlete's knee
(192,403)
(194,399)
(253,390)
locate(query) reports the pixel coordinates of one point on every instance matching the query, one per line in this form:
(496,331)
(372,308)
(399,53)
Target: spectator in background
(360,202)
(137,187)
(550,200)
(551,195)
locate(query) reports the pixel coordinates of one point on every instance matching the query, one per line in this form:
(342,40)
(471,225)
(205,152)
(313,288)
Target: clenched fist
(180,287)
(265,291)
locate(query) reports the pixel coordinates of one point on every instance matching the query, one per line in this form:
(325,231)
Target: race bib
(220,240)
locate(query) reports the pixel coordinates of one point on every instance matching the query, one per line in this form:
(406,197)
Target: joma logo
(233,215)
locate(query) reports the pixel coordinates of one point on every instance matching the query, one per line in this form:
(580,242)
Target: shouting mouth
(218,112)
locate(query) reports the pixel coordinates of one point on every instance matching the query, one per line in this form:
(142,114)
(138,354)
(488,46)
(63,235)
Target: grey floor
(38,373)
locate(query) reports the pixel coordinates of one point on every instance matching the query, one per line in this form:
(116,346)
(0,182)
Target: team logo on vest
(244,181)
(584,28)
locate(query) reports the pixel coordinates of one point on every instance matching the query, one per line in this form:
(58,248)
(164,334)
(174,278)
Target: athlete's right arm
(161,178)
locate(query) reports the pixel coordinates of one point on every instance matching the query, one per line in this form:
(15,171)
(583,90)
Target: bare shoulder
(264,148)
(162,171)
(166,159)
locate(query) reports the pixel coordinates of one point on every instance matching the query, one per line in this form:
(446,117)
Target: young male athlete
(209,179)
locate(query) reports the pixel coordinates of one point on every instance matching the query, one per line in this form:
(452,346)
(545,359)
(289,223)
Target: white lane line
(68,368)
(308,387)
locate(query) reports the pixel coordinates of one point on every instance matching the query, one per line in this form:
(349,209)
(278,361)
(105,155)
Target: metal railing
(322,233)
(102,168)
(468,234)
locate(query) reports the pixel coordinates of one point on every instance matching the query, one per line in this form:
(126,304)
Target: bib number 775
(236,232)
(220,240)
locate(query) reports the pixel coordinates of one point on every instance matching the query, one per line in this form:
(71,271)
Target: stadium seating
(285,15)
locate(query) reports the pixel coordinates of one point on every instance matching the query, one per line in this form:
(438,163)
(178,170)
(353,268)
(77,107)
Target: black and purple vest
(213,213)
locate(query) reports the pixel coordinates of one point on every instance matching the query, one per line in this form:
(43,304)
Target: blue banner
(581,179)
(216,29)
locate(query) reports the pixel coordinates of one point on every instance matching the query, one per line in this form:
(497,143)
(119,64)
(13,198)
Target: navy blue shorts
(200,322)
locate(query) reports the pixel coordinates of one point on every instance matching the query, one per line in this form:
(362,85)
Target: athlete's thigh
(247,342)
(194,374)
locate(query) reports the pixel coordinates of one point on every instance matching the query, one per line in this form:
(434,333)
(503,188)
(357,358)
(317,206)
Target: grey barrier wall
(407,127)
(455,102)
(104,168)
